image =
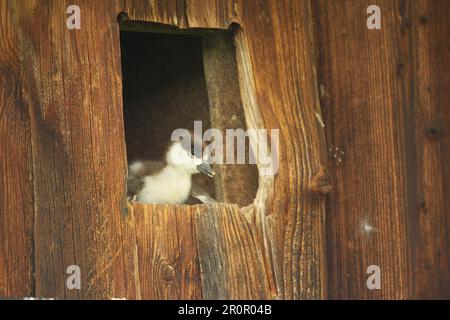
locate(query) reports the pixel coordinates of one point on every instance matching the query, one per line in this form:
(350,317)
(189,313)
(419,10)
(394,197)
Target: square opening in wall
(171,78)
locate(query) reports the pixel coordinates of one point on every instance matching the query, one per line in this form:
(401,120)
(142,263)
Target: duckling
(169,181)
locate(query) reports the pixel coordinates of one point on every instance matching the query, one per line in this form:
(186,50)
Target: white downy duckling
(169,181)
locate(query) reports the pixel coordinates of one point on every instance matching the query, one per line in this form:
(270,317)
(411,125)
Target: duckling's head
(185,157)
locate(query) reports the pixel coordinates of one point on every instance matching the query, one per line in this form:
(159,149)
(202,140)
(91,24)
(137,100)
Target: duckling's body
(169,185)
(169,181)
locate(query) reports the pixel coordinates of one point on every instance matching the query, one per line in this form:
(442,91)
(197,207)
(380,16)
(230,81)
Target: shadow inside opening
(170,80)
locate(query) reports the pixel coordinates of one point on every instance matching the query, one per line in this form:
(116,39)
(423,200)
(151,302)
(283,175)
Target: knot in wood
(433,133)
(168,272)
(321,183)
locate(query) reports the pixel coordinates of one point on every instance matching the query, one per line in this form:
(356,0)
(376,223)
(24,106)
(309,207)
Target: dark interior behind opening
(165,88)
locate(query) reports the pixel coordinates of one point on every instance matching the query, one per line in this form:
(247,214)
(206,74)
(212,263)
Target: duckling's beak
(205,168)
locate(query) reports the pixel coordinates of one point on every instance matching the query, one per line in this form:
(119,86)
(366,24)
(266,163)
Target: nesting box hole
(173,77)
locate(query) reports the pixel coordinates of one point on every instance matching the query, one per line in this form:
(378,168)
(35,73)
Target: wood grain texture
(226,111)
(382,92)
(275,57)
(167,260)
(16,185)
(276,65)
(429,227)
(384,98)
(198,252)
(78,149)
(232,261)
(72,91)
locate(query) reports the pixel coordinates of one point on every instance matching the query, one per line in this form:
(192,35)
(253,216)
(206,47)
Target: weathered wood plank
(366,213)
(226,111)
(16,185)
(381,91)
(78,149)
(167,259)
(195,252)
(232,261)
(277,45)
(428,209)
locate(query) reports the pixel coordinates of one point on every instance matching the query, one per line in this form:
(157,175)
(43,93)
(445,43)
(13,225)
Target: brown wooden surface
(77,148)
(63,158)
(278,88)
(221,75)
(16,185)
(382,93)
(195,252)
(232,261)
(166,259)
(281,52)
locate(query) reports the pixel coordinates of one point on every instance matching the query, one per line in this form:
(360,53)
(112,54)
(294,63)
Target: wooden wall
(383,97)
(385,100)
